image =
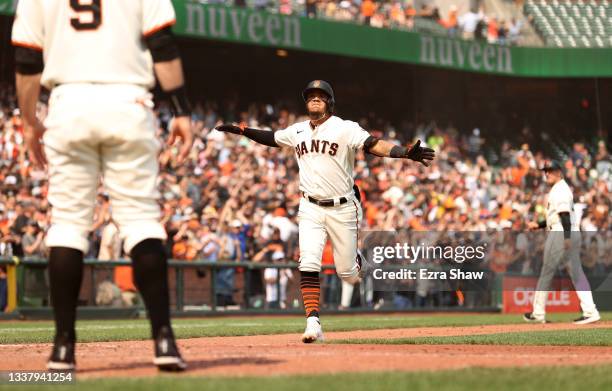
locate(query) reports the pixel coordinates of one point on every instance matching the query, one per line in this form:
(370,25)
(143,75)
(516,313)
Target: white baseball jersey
(325,155)
(69,31)
(560,199)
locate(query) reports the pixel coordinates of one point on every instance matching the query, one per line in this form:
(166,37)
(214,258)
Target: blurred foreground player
(325,148)
(562,248)
(97,57)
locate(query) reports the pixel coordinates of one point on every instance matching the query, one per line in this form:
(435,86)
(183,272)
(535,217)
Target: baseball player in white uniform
(325,148)
(98,58)
(562,248)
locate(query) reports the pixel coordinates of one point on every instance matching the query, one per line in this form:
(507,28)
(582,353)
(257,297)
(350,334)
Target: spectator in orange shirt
(410,11)
(182,249)
(518,172)
(415,222)
(368,8)
(227,168)
(505,212)
(330,281)
(492,29)
(396,15)
(123,277)
(452,21)
(371,214)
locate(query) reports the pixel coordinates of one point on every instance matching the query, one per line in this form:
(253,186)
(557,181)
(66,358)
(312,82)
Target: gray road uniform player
(98,58)
(561,249)
(325,147)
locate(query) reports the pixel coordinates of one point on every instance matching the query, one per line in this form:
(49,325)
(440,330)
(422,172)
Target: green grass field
(587,337)
(138,329)
(592,378)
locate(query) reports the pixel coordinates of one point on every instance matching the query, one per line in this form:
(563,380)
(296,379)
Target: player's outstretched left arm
(264,137)
(415,152)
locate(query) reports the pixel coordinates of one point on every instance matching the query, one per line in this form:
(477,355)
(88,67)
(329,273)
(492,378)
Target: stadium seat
(569,23)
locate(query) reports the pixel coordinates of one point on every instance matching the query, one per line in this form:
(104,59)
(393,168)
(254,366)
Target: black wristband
(398,152)
(179,103)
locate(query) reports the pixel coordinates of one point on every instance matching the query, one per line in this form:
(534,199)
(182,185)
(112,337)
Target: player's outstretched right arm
(264,137)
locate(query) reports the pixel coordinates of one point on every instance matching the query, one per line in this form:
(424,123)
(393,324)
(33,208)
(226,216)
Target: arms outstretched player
(325,149)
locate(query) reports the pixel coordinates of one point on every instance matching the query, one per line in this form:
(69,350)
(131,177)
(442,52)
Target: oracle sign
(518,295)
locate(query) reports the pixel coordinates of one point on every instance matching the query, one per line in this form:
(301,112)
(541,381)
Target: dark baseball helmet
(324,86)
(554,165)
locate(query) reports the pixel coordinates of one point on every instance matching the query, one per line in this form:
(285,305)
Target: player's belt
(327,203)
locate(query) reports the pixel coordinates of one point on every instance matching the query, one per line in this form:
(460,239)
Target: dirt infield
(284,354)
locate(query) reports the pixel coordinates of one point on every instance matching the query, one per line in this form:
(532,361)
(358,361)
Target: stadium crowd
(235,200)
(465,22)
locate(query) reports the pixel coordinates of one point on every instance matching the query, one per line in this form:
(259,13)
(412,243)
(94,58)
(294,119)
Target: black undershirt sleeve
(28,61)
(162,45)
(264,137)
(369,143)
(566,223)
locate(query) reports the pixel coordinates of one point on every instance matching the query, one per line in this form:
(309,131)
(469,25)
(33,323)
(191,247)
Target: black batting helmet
(324,86)
(554,165)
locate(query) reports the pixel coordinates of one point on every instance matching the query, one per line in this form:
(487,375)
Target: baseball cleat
(167,356)
(528,317)
(62,355)
(587,319)
(313,330)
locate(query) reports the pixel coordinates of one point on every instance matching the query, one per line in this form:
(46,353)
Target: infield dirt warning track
(284,353)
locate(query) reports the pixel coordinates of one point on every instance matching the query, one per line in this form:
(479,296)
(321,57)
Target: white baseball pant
(555,255)
(341,223)
(103,130)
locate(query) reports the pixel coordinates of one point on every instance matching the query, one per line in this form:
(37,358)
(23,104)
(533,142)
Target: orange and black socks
(310,286)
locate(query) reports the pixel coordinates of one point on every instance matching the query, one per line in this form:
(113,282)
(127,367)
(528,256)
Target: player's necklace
(317,122)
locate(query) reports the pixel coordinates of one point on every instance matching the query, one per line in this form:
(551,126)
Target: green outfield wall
(246,26)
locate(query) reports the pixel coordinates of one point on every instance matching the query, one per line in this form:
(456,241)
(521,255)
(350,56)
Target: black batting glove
(229,128)
(420,154)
